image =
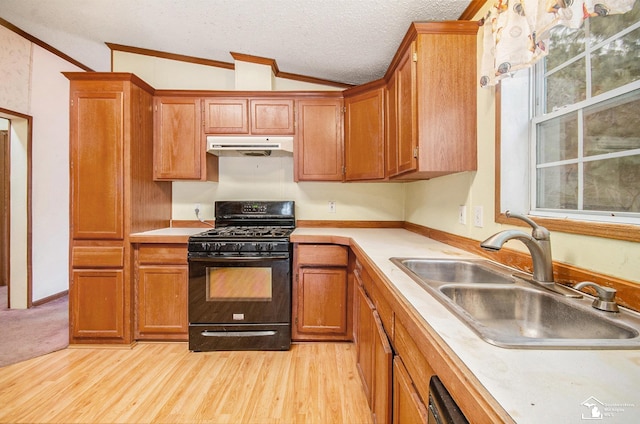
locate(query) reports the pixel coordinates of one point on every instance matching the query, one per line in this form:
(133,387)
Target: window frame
(610,230)
(567,222)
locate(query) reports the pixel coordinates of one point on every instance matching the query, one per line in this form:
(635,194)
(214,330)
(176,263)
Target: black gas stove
(240,278)
(245,229)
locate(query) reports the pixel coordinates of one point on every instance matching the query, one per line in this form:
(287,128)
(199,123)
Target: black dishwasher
(442,408)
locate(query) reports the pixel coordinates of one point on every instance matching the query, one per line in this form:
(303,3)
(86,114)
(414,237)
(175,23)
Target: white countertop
(533,386)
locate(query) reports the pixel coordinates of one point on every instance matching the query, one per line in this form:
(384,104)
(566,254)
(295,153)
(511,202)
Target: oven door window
(239,284)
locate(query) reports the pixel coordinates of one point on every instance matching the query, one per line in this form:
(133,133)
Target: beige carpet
(27,333)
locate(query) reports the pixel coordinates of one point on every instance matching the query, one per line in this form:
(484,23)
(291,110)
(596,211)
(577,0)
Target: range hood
(250,145)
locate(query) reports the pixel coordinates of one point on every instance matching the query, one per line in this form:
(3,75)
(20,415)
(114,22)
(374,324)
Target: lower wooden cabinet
(408,408)
(374,356)
(104,320)
(161,287)
(321,295)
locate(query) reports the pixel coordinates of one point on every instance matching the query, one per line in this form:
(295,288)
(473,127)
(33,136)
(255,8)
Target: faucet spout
(538,243)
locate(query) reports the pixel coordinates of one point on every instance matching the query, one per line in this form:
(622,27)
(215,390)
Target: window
(583,124)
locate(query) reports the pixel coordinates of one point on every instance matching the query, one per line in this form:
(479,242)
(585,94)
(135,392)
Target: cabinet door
(365,342)
(98,299)
(322,301)
(97,170)
(391,125)
(226,116)
(319,148)
(364,136)
(407,112)
(178,139)
(382,373)
(408,408)
(272,117)
(162,301)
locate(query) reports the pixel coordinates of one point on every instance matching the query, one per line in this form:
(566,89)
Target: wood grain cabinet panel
(161,291)
(322,299)
(97,171)
(104,291)
(179,144)
(365,341)
(162,301)
(401,102)
(319,140)
(364,135)
(226,115)
(408,408)
(382,374)
(272,116)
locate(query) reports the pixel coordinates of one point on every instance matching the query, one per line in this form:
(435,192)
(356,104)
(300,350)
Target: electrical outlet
(332,206)
(197,209)
(462,214)
(477,216)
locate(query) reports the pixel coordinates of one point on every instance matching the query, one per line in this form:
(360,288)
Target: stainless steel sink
(454,270)
(504,309)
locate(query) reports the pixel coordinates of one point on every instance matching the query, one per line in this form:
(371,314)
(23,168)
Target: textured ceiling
(349,41)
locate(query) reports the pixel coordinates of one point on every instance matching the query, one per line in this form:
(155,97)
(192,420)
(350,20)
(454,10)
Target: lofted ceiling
(347,41)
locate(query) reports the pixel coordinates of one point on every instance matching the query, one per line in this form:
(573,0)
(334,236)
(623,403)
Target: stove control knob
(270,246)
(206,246)
(238,246)
(258,246)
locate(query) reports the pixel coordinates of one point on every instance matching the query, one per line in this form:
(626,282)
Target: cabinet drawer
(160,254)
(97,256)
(321,254)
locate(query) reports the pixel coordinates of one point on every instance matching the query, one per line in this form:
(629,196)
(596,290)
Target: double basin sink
(505,309)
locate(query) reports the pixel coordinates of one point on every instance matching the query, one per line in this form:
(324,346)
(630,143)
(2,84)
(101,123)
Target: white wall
(32,84)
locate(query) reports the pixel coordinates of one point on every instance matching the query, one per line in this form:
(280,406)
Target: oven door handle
(223,259)
(263,333)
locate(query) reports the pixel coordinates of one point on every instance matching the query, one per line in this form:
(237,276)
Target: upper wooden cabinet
(318,148)
(179,151)
(401,96)
(272,116)
(435,100)
(243,116)
(364,132)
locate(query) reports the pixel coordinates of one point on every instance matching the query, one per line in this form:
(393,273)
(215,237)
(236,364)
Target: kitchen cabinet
(407,406)
(112,195)
(435,100)
(246,115)
(179,150)
(374,353)
(319,140)
(401,97)
(321,295)
(364,146)
(161,286)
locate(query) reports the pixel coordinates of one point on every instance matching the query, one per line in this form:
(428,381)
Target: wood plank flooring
(165,383)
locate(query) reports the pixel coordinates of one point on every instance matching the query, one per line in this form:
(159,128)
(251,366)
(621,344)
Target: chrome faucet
(539,245)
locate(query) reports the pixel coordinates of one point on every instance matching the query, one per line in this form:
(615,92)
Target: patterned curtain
(516,32)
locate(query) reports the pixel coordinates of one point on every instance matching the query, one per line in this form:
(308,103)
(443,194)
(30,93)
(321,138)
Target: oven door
(239,290)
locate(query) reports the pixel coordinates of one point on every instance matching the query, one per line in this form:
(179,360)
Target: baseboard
(50,298)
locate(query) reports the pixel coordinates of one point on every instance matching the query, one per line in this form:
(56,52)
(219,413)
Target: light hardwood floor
(165,383)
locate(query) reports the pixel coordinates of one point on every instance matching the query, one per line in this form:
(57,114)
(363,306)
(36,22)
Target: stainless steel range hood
(250,145)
